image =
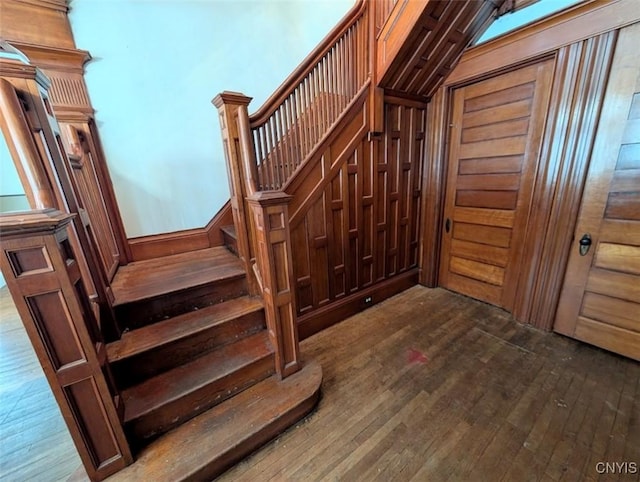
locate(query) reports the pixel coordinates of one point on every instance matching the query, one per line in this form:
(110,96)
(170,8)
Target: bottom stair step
(210,443)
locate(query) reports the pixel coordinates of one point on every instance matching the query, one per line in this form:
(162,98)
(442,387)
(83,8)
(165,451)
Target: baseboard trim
(311,323)
(159,245)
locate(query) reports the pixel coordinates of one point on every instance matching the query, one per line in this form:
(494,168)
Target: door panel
(495,141)
(600,298)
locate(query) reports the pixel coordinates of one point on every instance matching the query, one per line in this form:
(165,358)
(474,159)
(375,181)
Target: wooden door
(600,299)
(496,131)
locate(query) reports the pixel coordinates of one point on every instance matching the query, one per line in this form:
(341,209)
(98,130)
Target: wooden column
(273,255)
(39,150)
(229,104)
(41,269)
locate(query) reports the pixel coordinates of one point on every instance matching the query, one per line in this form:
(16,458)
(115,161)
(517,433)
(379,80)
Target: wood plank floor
(434,386)
(428,385)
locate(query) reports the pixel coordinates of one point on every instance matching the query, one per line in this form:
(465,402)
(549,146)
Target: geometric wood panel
(422,41)
(361,226)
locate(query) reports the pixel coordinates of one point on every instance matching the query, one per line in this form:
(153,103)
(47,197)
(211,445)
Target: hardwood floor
(34,441)
(431,385)
(428,385)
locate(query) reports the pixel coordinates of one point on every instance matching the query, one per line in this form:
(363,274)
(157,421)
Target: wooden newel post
(229,104)
(43,274)
(273,254)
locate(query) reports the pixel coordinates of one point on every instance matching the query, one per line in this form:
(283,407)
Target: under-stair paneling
(360,227)
(422,41)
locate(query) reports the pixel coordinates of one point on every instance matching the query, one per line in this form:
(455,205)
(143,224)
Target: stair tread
(206,445)
(229,230)
(161,333)
(174,384)
(159,276)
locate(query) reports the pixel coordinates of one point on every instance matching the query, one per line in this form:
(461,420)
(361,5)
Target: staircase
(195,348)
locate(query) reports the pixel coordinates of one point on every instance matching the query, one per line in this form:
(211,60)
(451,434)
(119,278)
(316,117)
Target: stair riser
(172,414)
(135,369)
(142,313)
(230,242)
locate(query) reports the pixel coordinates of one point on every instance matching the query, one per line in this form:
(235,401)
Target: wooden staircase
(193,342)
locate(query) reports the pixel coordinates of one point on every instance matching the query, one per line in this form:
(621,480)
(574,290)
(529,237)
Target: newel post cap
(228,97)
(269,198)
(36,221)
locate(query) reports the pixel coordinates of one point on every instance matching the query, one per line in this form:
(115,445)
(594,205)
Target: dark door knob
(585,244)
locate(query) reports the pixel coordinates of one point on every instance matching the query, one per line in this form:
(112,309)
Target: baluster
(265,157)
(314,103)
(292,134)
(273,155)
(300,112)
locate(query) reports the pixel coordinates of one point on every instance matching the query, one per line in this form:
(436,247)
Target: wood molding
(49,57)
(57,5)
(433,182)
(329,315)
(275,261)
(544,37)
(582,71)
(159,245)
(356,209)
(307,182)
(38,22)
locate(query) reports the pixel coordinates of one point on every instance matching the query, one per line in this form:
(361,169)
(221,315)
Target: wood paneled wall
(355,214)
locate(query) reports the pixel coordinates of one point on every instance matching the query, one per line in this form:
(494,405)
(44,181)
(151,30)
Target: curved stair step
(215,440)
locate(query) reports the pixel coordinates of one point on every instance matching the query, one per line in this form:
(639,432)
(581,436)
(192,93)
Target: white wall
(158,64)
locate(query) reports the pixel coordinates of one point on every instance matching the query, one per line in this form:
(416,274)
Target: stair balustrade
(295,119)
(265,150)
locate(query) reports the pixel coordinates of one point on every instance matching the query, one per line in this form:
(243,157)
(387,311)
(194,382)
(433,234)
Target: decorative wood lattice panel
(361,226)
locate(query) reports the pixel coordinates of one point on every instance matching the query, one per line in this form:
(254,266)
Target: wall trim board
(433,183)
(545,36)
(582,72)
(317,320)
(166,244)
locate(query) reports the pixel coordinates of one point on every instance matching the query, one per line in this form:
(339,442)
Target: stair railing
(295,119)
(265,150)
